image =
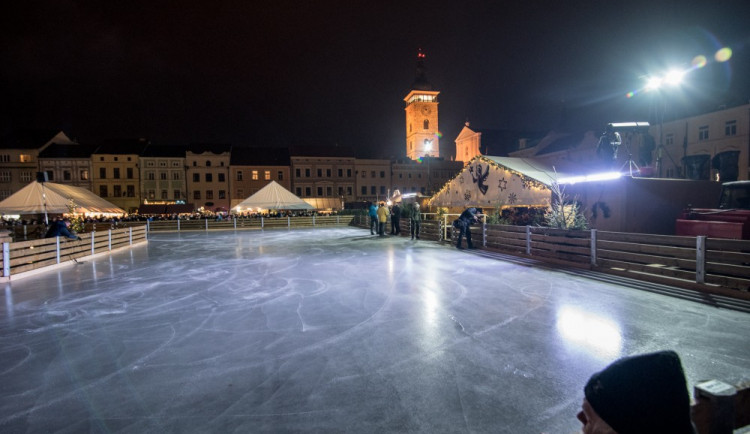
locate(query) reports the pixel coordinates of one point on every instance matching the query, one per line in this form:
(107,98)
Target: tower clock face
(426,110)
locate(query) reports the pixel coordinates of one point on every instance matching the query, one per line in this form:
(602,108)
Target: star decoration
(502,184)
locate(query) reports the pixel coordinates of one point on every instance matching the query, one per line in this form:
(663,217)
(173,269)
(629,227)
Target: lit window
(255,175)
(25,158)
(267,175)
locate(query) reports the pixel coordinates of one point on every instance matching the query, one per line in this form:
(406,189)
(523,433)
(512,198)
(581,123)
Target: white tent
(273,196)
(58,198)
(498,182)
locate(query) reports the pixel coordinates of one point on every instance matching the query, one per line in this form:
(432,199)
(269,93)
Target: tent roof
(530,167)
(273,196)
(58,198)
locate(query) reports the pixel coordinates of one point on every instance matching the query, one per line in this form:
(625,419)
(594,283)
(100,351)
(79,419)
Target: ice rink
(329,331)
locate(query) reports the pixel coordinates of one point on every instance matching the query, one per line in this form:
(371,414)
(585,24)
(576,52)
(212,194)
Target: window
(703,132)
(151,194)
(163,176)
(669,139)
(25,176)
(197,178)
(349,191)
(255,175)
(308,191)
(328,173)
(67,176)
(209,194)
(372,174)
(426,124)
(348,173)
(129,172)
(382,189)
(5,158)
(84,175)
(307,173)
(280,175)
(341,173)
(329,191)
(176,176)
(364,174)
(298,190)
(150,164)
(364,190)
(297,173)
(4,194)
(103,190)
(50,175)
(195,163)
(117,191)
(5,176)
(130,190)
(341,191)
(208,163)
(161,163)
(320,191)
(222,194)
(373,190)
(150,176)
(176,194)
(239,175)
(196,194)
(103,173)
(320,173)
(25,158)
(164,194)
(175,164)
(267,175)
(209,178)
(730,128)
(116,159)
(221,177)
(382,173)
(101,158)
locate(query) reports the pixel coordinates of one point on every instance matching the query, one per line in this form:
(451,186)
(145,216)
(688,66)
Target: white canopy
(273,196)
(59,199)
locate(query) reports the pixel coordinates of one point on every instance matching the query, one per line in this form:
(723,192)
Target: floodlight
(674,77)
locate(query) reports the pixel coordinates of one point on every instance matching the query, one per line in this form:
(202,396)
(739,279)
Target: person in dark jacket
(60,228)
(640,394)
(463,224)
(416,221)
(395,219)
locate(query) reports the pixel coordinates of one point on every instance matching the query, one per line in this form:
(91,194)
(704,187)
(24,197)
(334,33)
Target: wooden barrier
(720,408)
(250,223)
(25,256)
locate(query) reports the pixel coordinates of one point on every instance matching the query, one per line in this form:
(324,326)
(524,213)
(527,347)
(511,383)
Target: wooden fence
(710,264)
(25,256)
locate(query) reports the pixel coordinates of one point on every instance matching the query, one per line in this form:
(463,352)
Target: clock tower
(422,133)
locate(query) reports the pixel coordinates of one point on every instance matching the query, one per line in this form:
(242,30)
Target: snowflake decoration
(467,196)
(512,198)
(502,185)
(461,180)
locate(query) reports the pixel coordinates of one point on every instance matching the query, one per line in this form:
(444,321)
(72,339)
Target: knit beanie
(642,394)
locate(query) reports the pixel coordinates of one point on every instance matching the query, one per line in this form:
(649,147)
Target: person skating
(60,228)
(373,211)
(463,224)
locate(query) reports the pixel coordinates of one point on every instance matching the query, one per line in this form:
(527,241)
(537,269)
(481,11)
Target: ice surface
(328,330)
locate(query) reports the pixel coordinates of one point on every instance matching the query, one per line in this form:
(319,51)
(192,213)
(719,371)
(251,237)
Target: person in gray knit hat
(640,394)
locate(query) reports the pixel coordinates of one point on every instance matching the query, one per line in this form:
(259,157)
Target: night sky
(299,73)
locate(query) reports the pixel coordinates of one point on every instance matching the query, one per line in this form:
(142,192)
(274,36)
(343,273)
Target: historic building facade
(422,129)
(208,176)
(251,169)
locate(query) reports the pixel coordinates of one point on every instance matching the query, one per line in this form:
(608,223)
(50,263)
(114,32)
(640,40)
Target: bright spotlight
(674,77)
(653,83)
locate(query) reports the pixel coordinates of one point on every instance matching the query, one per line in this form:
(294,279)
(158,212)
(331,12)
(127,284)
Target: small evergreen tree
(564,213)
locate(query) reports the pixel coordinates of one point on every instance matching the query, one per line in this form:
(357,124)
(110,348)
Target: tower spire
(420,81)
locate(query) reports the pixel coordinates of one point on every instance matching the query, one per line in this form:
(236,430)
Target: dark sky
(281,73)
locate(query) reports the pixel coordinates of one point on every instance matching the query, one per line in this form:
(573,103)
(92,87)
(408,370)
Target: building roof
(501,142)
(154,151)
(122,146)
(57,150)
(32,139)
(247,156)
(214,148)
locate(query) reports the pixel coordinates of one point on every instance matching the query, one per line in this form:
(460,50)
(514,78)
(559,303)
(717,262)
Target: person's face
(592,423)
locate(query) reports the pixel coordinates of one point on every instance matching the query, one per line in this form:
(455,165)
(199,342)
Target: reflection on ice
(593,333)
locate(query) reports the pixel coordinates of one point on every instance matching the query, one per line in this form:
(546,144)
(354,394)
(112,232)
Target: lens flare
(439,135)
(630,94)
(699,61)
(723,55)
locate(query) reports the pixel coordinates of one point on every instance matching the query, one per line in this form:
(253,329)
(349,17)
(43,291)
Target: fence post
(313,219)
(484,234)
(593,247)
(57,248)
(109,235)
(25,234)
(6,259)
(178,225)
(92,243)
(235,223)
(721,397)
(528,240)
(444,232)
(262,223)
(131,236)
(206,224)
(700,259)
(338,219)
(289,221)
(148,226)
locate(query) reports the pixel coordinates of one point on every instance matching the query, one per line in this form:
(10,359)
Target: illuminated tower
(422,116)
